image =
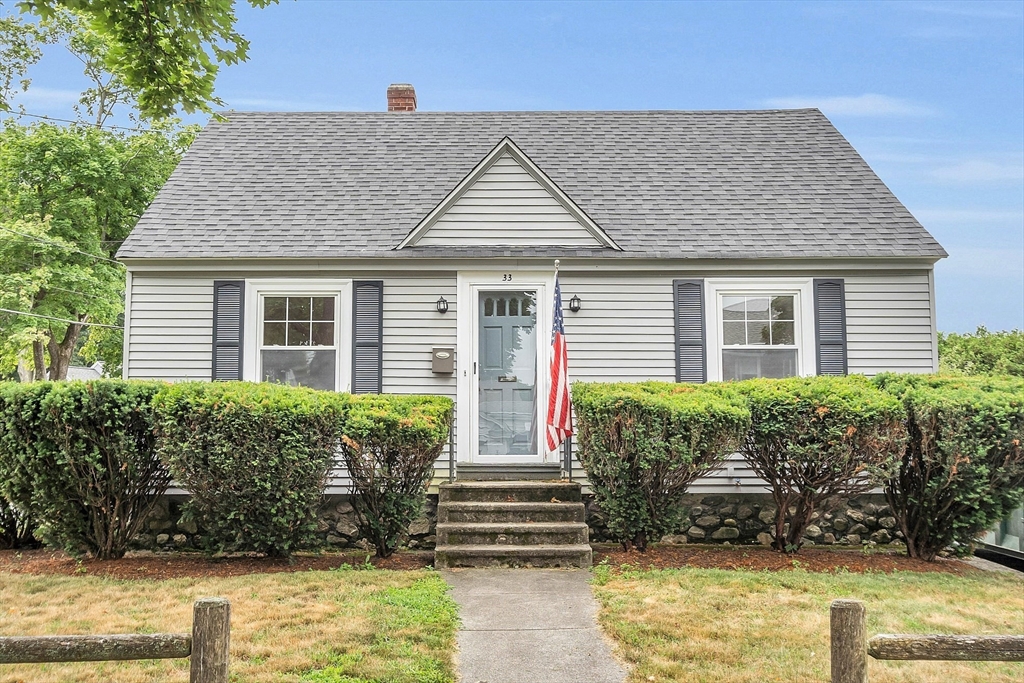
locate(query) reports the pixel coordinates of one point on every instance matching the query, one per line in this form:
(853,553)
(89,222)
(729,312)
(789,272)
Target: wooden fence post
(848,630)
(211,634)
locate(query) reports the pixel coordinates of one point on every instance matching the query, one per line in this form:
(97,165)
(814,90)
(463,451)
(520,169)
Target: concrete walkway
(530,626)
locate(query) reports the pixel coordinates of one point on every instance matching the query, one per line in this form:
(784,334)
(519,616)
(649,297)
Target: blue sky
(930,93)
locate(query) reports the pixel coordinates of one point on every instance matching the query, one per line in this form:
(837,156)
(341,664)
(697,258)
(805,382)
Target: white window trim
(803,314)
(252,342)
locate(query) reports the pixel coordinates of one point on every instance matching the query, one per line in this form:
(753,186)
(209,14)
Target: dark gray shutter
(830,326)
(228,308)
(368,339)
(691,354)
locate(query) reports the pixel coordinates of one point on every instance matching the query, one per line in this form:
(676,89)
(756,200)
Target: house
(414,252)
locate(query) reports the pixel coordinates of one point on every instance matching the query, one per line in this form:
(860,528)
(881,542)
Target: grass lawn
(307,627)
(751,627)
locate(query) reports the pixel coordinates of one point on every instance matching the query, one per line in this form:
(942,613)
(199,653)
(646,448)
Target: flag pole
(567,444)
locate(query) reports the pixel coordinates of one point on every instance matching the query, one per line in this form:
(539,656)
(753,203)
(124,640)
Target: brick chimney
(401,97)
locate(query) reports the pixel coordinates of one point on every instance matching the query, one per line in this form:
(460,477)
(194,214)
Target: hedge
(643,444)
(814,439)
(254,457)
(963,467)
(17,528)
(390,444)
(80,457)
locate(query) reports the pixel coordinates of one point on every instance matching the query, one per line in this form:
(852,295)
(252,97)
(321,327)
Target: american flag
(559,400)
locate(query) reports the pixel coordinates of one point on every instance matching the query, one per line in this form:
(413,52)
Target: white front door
(503,387)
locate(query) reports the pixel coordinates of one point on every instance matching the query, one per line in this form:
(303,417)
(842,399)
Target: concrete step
(513,472)
(510,492)
(447,556)
(531,533)
(511,512)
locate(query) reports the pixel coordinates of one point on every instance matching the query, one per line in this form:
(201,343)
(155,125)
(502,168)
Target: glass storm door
(507,352)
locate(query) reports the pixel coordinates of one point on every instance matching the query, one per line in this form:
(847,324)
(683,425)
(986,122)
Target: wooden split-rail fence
(851,646)
(206,646)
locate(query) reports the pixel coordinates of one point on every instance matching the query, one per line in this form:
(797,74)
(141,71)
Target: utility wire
(84,123)
(61,320)
(63,246)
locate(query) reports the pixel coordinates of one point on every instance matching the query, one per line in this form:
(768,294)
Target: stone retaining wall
(750,519)
(736,519)
(336,528)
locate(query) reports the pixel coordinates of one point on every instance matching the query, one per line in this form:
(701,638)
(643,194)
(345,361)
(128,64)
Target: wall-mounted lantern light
(574,304)
(442,305)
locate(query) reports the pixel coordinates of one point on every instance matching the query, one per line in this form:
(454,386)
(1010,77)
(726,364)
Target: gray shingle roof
(674,184)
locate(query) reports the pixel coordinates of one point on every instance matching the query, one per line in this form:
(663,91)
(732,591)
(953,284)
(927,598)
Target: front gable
(506,200)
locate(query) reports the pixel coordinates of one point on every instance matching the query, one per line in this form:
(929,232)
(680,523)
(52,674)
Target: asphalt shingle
(667,184)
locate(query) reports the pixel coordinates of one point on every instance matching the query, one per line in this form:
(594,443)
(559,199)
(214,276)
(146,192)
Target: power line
(84,123)
(63,246)
(61,320)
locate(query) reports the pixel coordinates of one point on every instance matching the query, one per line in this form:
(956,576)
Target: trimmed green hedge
(80,457)
(643,444)
(817,438)
(963,468)
(390,444)
(254,457)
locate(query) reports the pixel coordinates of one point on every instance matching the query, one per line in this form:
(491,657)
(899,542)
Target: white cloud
(265,103)
(868,104)
(47,97)
(979,171)
(975,10)
(968,216)
(983,262)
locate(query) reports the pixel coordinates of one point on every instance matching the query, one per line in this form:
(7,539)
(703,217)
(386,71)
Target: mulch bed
(757,558)
(195,565)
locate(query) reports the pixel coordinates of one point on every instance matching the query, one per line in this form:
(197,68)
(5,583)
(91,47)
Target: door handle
(508,378)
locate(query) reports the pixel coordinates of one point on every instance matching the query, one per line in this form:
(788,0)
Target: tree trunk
(25,373)
(38,361)
(60,353)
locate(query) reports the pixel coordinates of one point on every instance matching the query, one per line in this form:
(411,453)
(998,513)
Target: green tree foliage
(814,439)
(982,353)
(642,445)
(255,458)
(21,46)
(167,51)
(390,444)
(81,458)
(963,467)
(68,197)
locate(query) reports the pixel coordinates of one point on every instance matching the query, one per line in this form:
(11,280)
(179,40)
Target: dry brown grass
(307,626)
(697,625)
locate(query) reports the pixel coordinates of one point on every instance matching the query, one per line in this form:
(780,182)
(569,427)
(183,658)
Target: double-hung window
(759,328)
(296,336)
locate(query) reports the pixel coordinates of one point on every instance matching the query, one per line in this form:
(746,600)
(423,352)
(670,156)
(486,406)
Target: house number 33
(506,277)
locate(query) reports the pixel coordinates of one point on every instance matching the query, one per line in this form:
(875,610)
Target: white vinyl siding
(170,335)
(412,328)
(623,332)
(889,324)
(507,206)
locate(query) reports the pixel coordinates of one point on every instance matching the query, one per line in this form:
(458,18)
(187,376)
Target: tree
(21,46)
(68,197)
(164,50)
(982,353)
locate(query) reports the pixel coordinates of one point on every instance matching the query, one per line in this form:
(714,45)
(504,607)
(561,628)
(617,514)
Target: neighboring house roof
(665,184)
(94,371)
